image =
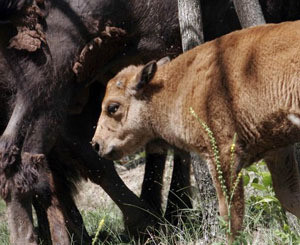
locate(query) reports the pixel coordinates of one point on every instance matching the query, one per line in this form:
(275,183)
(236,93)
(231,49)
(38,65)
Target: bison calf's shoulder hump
(246,82)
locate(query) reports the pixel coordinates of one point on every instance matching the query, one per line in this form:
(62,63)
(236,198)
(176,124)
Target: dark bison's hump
(280,10)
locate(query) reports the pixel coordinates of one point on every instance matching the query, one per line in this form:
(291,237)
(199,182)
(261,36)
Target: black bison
(50,52)
(46,63)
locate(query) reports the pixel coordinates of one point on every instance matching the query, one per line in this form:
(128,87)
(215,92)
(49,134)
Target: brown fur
(246,82)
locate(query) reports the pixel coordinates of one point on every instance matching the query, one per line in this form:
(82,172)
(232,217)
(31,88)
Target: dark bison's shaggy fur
(45,64)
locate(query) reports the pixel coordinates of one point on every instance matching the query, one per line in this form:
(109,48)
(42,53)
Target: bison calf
(247,82)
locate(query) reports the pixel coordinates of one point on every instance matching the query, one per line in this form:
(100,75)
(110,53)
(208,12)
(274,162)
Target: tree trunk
(208,198)
(249,13)
(191,28)
(190,22)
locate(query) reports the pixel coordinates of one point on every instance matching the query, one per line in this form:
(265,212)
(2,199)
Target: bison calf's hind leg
(284,167)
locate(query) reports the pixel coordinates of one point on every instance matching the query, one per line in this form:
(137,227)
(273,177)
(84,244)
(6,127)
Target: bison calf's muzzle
(110,153)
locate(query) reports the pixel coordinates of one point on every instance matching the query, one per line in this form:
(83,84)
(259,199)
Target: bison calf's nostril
(96,146)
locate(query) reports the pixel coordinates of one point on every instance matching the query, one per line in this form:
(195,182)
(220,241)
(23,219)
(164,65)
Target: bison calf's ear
(144,76)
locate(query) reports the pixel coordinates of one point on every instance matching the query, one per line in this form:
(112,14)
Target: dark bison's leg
(42,133)
(284,167)
(63,193)
(38,141)
(74,221)
(30,73)
(153,180)
(59,220)
(20,222)
(179,194)
(55,215)
(138,215)
(48,203)
(19,212)
(43,231)
(10,139)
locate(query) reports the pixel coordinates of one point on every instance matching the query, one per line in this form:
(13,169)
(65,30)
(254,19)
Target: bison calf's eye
(113,108)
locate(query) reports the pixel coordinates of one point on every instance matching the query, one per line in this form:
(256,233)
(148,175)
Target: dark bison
(46,64)
(50,52)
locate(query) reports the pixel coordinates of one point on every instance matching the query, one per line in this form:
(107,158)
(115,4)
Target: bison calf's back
(246,82)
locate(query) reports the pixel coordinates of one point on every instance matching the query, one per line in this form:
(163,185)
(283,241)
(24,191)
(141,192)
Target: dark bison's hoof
(146,223)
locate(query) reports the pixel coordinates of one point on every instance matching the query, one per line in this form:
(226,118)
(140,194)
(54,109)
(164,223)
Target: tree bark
(249,13)
(191,28)
(190,22)
(208,198)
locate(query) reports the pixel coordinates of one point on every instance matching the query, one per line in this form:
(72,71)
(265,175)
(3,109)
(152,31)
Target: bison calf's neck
(246,83)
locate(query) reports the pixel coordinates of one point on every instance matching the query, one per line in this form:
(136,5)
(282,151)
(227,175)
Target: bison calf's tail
(294,119)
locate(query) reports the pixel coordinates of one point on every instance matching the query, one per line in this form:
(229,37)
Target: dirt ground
(92,196)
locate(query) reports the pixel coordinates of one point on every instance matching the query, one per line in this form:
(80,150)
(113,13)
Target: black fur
(10,7)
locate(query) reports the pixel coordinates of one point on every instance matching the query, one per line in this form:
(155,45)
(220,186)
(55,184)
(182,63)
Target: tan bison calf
(247,82)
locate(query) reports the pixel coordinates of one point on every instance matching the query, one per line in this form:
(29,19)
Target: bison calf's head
(124,125)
